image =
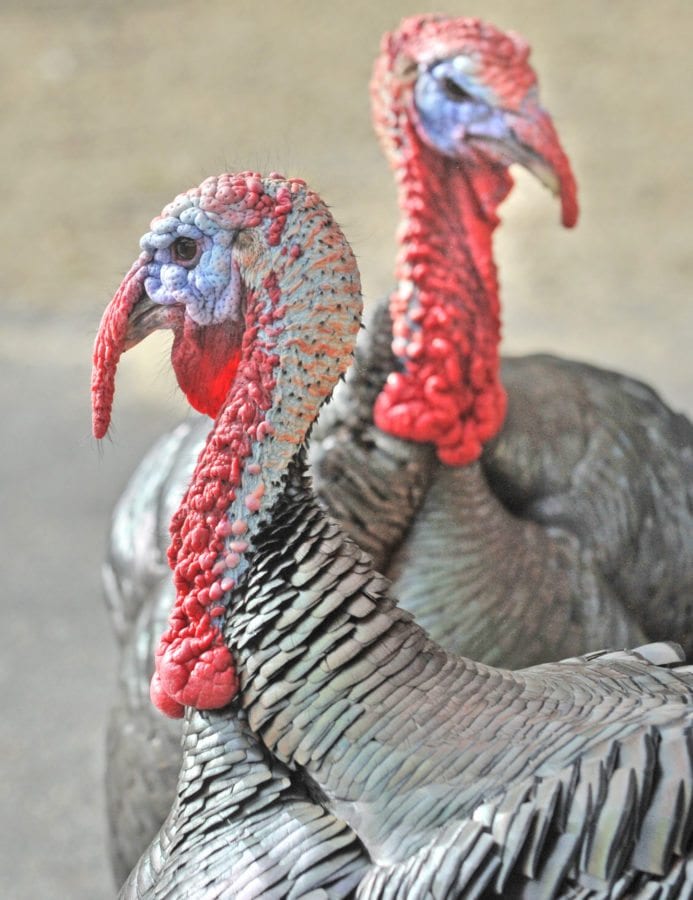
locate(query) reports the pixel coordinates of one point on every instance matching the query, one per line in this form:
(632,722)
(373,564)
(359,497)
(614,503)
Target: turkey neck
(450,209)
(465,547)
(328,663)
(302,314)
(445,310)
(371,482)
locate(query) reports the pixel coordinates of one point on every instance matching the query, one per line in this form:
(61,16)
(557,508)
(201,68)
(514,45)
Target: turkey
(581,504)
(459,779)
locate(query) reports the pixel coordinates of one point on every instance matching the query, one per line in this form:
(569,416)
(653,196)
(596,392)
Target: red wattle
(205,360)
(440,398)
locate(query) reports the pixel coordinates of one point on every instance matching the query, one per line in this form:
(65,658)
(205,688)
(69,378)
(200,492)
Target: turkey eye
(454,91)
(184,250)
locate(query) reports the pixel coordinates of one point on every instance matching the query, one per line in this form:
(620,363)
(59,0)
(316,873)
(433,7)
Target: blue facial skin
(208,285)
(453,108)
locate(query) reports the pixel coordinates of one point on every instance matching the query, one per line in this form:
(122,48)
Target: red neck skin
(445,311)
(193,665)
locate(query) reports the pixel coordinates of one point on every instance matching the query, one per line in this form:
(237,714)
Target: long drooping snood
(111,342)
(445,311)
(291,315)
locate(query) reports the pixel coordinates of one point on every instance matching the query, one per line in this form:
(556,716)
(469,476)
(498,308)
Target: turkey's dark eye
(454,91)
(184,250)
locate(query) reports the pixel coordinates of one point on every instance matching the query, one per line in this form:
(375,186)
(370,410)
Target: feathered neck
(445,310)
(302,316)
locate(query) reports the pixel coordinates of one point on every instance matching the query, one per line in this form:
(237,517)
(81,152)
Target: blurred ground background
(107,111)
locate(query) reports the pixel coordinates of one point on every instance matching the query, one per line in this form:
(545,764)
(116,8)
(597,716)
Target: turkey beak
(144,318)
(534,144)
(128,318)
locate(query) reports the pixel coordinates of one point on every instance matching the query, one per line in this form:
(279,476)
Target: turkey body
(431,773)
(250,820)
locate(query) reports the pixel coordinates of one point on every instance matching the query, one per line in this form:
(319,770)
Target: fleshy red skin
(449,392)
(193,665)
(445,312)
